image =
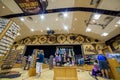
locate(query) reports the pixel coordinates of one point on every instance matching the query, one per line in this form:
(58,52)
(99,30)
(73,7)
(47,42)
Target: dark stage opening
(50,49)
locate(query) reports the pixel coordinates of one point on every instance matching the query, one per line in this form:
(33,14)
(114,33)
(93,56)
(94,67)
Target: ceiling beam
(70,9)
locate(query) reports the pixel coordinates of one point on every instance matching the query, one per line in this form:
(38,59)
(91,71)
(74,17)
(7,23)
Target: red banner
(29,6)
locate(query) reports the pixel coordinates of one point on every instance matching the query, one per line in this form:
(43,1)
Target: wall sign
(29,6)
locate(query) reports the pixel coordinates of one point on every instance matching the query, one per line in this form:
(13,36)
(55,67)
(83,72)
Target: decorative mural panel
(93,48)
(114,43)
(55,39)
(89,44)
(61,38)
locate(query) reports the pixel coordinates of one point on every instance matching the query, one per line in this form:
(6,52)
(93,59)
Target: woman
(39,62)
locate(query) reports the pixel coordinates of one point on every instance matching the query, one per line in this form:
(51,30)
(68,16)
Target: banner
(29,6)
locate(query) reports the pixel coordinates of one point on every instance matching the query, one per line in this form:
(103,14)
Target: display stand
(32,70)
(65,73)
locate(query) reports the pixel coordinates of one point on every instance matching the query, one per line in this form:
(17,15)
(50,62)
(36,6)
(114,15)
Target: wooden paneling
(65,73)
(113,67)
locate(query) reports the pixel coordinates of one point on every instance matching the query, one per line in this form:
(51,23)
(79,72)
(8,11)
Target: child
(95,70)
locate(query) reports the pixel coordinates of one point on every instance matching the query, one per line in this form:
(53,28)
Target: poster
(29,6)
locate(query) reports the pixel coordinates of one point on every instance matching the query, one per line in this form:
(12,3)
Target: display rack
(3,23)
(8,33)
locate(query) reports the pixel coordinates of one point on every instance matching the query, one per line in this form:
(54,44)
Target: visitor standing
(29,61)
(39,62)
(51,62)
(103,65)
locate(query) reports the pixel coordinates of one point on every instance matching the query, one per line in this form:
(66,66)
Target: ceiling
(73,22)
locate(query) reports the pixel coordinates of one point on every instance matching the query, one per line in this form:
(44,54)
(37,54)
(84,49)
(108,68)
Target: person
(87,59)
(68,61)
(39,62)
(79,59)
(56,59)
(26,63)
(51,62)
(29,61)
(102,62)
(72,61)
(95,70)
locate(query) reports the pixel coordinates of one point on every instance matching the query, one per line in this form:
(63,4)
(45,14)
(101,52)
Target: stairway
(10,60)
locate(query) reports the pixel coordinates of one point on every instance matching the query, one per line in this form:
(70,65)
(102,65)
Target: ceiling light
(65,14)
(93,21)
(65,27)
(104,34)
(118,22)
(88,29)
(48,28)
(96,16)
(41,30)
(32,30)
(116,25)
(42,17)
(3,7)
(56,19)
(22,19)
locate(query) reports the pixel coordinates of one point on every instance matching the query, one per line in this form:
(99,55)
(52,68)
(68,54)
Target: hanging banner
(29,6)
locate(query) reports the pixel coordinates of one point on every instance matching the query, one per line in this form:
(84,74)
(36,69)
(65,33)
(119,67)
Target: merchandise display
(7,40)
(8,31)
(64,56)
(3,23)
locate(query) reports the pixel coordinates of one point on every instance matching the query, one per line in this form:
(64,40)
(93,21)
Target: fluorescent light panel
(88,30)
(22,19)
(118,22)
(65,27)
(65,14)
(48,28)
(56,19)
(32,30)
(104,34)
(96,16)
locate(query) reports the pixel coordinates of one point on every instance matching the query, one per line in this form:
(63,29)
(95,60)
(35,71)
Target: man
(39,62)
(102,62)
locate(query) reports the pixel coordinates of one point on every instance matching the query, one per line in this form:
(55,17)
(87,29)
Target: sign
(29,6)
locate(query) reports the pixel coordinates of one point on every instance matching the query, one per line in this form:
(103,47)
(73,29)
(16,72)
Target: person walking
(39,62)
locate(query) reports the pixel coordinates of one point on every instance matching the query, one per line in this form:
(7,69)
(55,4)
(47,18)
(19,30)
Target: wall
(62,39)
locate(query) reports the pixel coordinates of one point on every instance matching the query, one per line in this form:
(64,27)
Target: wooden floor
(48,75)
